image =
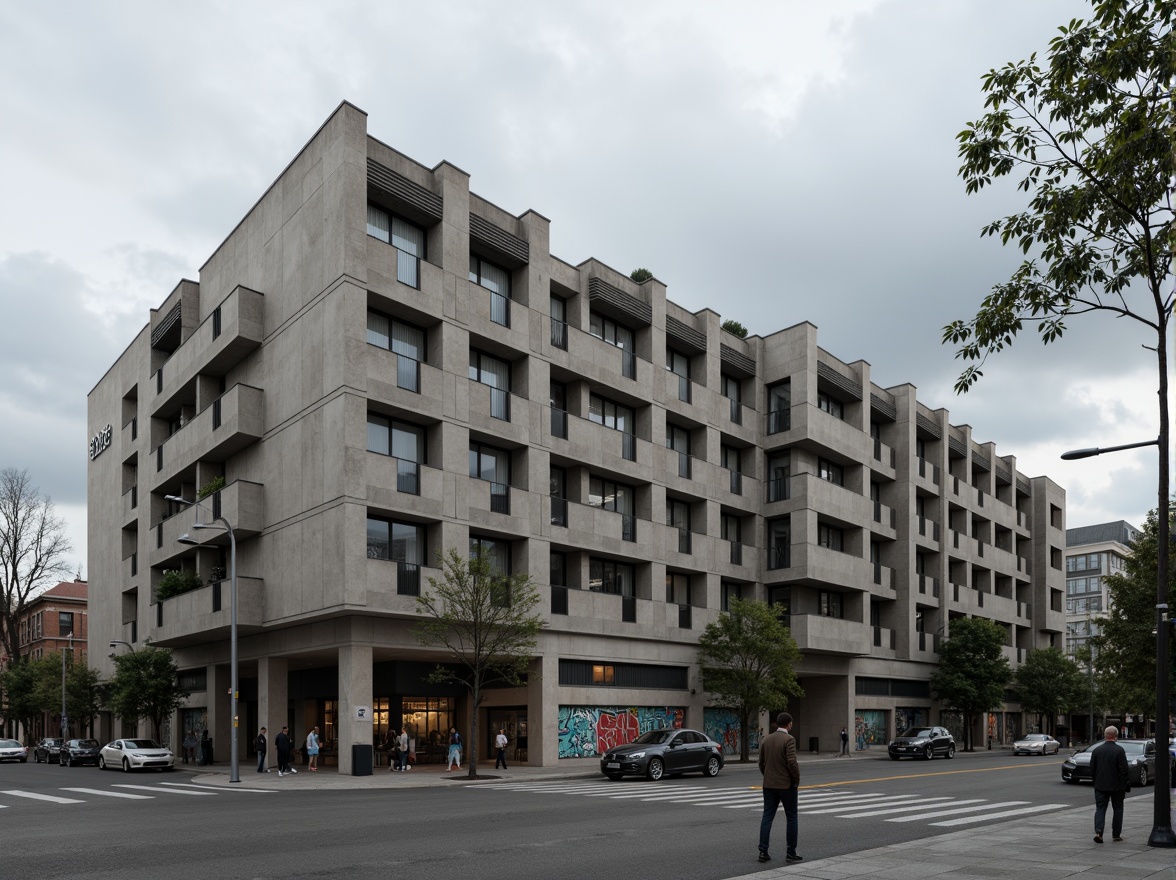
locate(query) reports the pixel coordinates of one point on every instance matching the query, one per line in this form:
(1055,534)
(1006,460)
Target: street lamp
(1161,833)
(64,719)
(114,642)
(234,763)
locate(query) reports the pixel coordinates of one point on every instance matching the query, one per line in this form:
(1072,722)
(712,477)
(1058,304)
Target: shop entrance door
(514,722)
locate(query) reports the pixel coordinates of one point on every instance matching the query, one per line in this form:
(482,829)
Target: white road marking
(916,808)
(932,814)
(896,800)
(169,790)
(32,795)
(106,793)
(971,819)
(217,788)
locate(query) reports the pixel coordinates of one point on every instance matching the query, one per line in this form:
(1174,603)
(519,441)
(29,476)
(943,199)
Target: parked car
(136,754)
(79,751)
(1036,744)
(657,753)
(1141,762)
(48,750)
(922,742)
(11,750)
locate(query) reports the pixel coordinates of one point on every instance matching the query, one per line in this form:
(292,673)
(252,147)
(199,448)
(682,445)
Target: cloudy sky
(778,162)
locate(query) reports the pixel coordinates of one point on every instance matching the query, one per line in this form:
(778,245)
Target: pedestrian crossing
(842,803)
(121,791)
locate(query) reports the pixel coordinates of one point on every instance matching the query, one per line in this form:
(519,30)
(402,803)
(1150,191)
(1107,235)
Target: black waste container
(361,759)
(814,744)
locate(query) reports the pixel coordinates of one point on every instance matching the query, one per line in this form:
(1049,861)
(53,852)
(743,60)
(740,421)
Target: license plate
(613,765)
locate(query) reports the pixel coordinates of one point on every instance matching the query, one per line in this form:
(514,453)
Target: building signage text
(100,442)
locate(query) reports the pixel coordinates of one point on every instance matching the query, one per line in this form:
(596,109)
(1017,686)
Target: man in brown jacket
(777,762)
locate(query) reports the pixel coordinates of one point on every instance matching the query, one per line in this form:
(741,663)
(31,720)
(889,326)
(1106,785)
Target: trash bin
(361,759)
(814,744)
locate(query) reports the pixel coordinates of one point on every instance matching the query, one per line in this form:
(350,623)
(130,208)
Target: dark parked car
(1141,762)
(660,752)
(80,751)
(923,742)
(48,750)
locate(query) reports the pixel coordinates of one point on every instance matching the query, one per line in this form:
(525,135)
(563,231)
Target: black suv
(80,751)
(923,742)
(48,750)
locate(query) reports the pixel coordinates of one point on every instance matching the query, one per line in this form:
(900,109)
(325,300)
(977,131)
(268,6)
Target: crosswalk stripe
(1002,815)
(649,794)
(218,788)
(32,795)
(169,790)
(917,807)
(896,800)
(933,814)
(107,793)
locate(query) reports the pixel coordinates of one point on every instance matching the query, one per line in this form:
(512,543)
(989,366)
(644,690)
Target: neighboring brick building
(379,363)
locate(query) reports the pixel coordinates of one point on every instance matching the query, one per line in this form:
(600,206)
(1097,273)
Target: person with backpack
(454,749)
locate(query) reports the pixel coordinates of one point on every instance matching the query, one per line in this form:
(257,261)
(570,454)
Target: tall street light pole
(64,719)
(1161,833)
(234,756)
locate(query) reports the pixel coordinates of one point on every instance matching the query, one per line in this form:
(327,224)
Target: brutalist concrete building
(378,364)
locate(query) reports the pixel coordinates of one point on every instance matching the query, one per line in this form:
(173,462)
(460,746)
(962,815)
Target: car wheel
(928,753)
(656,769)
(126,766)
(101,763)
(712,767)
(613,777)
(1142,776)
(951,751)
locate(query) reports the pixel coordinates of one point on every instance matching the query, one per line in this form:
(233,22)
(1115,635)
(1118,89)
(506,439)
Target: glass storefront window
(428,720)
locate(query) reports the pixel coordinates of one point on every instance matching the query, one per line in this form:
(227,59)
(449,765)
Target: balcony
(403,382)
(241,502)
(386,276)
(590,526)
(234,421)
(205,614)
(779,420)
(490,411)
(817,634)
(928,586)
(926,528)
(927,473)
(498,506)
(398,484)
(884,455)
(597,446)
(225,337)
(130,506)
(816,563)
(559,337)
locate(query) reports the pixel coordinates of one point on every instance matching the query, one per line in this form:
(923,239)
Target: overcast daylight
(777,162)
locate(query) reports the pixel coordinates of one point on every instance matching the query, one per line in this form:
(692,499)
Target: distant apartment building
(380,364)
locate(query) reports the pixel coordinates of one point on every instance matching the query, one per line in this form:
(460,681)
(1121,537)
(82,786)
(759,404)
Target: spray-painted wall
(722,725)
(585,731)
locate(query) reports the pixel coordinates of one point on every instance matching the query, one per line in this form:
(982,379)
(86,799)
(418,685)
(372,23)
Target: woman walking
(312,748)
(454,749)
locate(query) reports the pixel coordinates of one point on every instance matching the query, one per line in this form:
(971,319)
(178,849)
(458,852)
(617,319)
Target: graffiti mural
(722,725)
(869,728)
(905,719)
(586,731)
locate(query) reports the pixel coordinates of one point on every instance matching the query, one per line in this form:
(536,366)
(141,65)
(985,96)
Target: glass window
(677,438)
(829,404)
(398,439)
(677,514)
(559,569)
(407,238)
(780,407)
(607,576)
(678,589)
(494,278)
(610,495)
(65,622)
(827,470)
(730,591)
(610,331)
(396,541)
(612,415)
(678,363)
(489,463)
(497,551)
(732,388)
(489,370)
(732,528)
(830,537)
(830,604)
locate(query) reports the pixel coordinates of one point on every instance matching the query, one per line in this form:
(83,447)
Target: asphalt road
(688,827)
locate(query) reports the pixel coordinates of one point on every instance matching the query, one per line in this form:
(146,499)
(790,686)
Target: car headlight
(637,755)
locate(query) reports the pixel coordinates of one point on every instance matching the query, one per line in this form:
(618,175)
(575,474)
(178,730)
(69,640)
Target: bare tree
(33,547)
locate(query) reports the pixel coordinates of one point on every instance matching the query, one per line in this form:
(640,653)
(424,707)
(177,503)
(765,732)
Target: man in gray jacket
(1108,770)
(777,762)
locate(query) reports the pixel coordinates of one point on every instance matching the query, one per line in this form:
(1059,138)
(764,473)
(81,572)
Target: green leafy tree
(747,659)
(146,684)
(19,681)
(1049,683)
(640,275)
(1089,135)
(973,671)
(1125,648)
(734,328)
(84,694)
(485,620)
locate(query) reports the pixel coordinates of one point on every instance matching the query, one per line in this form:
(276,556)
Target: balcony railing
(779,557)
(684,465)
(736,412)
(779,420)
(684,542)
(628,446)
(629,609)
(559,599)
(736,483)
(499,498)
(559,339)
(736,553)
(500,404)
(499,309)
(559,423)
(684,389)
(559,512)
(628,527)
(778,489)
(684,617)
(628,364)
(408,579)
(408,373)
(408,268)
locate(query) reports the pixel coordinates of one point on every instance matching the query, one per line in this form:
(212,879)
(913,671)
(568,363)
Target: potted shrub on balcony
(175,582)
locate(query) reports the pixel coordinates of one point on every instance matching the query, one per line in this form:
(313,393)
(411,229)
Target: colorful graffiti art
(722,725)
(586,731)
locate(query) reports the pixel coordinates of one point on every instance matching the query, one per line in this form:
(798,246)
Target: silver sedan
(1036,744)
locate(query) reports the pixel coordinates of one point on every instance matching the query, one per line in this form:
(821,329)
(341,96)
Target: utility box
(362,756)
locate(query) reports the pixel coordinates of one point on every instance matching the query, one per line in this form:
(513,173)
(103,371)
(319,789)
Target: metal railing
(628,527)
(736,412)
(685,617)
(559,338)
(684,465)
(736,553)
(779,420)
(500,404)
(684,389)
(559,512)
(499,309)
(684,540)
(628,446)
(628,364)
(559,423)
(408,373)
(559,599)
(408,477)
(779,557)
(408,579)
(736,483)
(499,498)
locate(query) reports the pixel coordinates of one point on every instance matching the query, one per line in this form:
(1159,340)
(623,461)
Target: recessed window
(610,414)
(831,472)
(497,552)
(607,576)
(395,541)
(830,537)
(408,239)
(65,622)
(496,280)
(402,441)
(831,405)
(495,373)
(404,340)
(780,407)
(830,604)
(603,673)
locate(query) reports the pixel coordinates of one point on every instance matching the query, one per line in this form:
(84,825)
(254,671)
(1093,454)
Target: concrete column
(220,713)
(355,689)
(543,711)
(272,701)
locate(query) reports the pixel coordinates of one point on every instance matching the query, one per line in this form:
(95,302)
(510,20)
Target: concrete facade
(589,430)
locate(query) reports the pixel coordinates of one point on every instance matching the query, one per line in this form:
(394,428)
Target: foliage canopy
(146,685)
(973,671)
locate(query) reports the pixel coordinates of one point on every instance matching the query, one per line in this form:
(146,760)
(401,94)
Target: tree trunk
(744,736)
(472,751)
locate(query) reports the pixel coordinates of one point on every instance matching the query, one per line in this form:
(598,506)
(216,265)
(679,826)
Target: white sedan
(1036,744)
(11,750)
(136,754)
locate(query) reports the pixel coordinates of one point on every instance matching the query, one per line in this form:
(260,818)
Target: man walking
(261,747)
(844,744)
(283,744)
(1108,770)
(500,743)
(777,763)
